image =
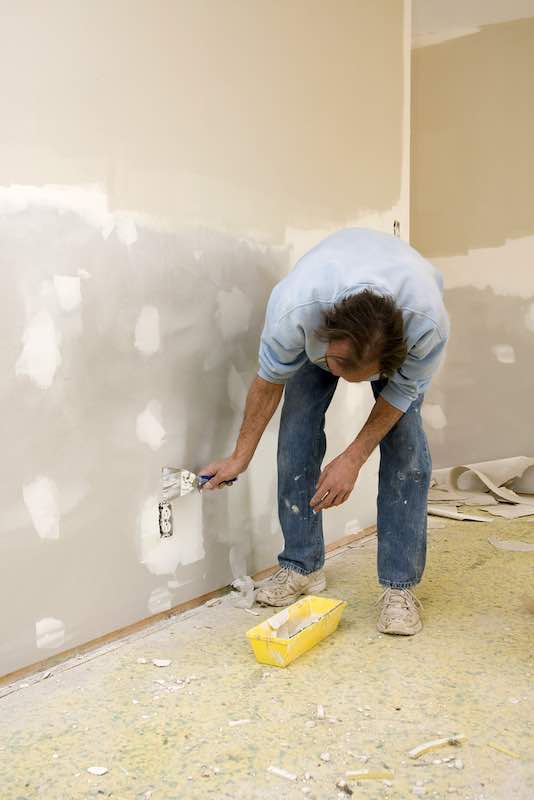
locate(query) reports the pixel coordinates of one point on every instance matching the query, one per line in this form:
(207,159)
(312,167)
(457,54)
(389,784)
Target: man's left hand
(336,482)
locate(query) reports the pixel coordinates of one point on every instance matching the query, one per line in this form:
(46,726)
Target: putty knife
(177,482)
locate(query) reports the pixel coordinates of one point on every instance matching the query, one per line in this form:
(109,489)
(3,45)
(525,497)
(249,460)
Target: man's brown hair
(373,325)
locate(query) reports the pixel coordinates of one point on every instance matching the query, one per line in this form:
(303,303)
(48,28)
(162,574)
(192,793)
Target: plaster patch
(147,333)
(89,202)
(434,416)
(352,526)
(49,632)
(160,600)
(68,291)
(238,560)
(40,357)
(489,268)
(504,353)
(186,546)
(435,22)
(237,390)
(148,427)
(233,312)
(529,318)
(41,498)
(126,230)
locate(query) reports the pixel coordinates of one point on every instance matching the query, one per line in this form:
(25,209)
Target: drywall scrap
(449,514)
(515,545)
(503,488)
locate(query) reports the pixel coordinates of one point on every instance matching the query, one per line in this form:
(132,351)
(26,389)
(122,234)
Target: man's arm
(262,401)
(339,476)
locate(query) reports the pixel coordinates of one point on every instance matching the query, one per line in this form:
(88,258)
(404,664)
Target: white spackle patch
(49,632)
(148,427)
(147,336)
(41,498)
(529,318)
(40,355)
(504,353)
(237,390)
(233,312)
(238,559)
(352,526)
(161,556)
(434,416)
(68,291)
(159,600)
(89,202)
(126,230)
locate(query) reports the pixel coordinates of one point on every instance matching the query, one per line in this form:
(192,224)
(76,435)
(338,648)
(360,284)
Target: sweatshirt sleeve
(282,346)
(415,375)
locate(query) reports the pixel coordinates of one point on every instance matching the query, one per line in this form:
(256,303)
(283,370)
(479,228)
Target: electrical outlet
(165,519)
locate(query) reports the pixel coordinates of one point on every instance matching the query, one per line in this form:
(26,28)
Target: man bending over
(362,306)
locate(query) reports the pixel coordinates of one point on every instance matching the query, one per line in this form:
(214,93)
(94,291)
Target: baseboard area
(135,627)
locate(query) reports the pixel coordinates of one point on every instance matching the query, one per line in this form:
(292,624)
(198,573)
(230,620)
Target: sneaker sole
(405,632)
(320,586)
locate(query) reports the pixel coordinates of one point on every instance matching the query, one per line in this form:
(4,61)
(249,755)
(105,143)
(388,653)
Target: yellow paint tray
(296,629)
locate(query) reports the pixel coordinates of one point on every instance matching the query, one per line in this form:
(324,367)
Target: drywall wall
(162,165)
(473,216)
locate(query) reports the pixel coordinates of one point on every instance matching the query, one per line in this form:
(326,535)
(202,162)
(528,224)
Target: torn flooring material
(503,488)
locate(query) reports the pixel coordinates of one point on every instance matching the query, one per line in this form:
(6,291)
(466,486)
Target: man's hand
(223,470)
(336,482)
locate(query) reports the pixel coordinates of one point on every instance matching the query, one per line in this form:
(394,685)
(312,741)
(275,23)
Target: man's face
(338,357)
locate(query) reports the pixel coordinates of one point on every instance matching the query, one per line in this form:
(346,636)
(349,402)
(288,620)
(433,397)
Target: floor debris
(282,773)
(233,723)
(325,756)
(320,712)
(161,662)
(501,749)
(97,770)
(245,594)
(438,511)
(344,786)
(250,611)
(435,744)
(369,774)
(515,545)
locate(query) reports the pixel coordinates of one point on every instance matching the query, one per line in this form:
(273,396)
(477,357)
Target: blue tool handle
(202,479)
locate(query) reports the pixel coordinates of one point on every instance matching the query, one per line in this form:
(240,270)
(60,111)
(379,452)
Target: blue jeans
(404,479)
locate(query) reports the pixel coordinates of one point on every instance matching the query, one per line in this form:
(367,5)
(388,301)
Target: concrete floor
(470,671)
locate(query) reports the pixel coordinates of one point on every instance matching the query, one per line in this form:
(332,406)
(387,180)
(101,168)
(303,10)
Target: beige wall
(162,164)
(473,216)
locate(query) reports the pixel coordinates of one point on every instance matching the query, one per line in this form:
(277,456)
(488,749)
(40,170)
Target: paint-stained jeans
(404,478)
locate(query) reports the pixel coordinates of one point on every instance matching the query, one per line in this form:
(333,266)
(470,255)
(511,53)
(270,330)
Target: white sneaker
(400,613)
(286,586)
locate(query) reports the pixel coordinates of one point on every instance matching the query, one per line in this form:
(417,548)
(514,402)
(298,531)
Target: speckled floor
(470,671)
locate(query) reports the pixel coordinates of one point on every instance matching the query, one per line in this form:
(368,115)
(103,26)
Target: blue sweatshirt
(341,265)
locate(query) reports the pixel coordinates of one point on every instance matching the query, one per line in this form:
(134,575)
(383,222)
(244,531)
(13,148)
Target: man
(362,306)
